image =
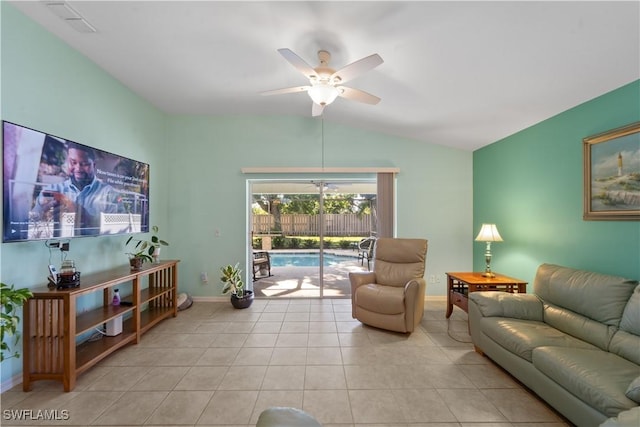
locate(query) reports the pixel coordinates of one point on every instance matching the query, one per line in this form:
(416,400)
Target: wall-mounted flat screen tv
(57,188)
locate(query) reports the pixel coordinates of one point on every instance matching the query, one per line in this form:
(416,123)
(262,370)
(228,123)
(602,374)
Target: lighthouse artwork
(612,174)
(619,164)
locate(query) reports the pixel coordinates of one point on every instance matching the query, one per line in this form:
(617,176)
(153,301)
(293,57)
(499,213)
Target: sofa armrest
(414,292)
(503,304)
(358,279)
(415,286)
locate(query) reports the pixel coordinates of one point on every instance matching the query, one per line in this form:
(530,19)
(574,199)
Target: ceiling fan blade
(316,110)
(286,90)
(357,95)
(298,63)
(354,69)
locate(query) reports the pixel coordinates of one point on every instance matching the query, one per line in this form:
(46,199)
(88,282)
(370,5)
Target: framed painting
(612,175)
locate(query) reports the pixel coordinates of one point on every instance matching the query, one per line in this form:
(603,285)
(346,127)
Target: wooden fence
(309,225)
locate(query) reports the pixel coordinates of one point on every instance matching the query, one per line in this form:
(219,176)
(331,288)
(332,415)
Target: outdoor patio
(304,282)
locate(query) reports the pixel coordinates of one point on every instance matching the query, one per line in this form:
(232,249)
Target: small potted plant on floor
(10,300)
(231,278)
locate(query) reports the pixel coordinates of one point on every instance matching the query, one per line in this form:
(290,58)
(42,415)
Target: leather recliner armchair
(392,295)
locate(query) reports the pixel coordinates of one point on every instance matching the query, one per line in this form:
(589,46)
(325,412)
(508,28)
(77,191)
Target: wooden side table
(460,285)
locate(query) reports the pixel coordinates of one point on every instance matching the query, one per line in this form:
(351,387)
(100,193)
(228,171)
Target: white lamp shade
(489,233)
(323,94)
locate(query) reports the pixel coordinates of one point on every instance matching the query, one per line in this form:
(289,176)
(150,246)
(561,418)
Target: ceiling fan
(325,82)
(326,186)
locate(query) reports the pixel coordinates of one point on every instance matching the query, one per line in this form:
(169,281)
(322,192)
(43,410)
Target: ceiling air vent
(70,16)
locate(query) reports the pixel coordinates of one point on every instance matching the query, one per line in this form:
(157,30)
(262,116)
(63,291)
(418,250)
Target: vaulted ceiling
(461,74)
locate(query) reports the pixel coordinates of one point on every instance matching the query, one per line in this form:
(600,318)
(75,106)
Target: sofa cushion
(398,261)
(631,317)
(626,345)
(504,304)
(633,391)
(596,377)
(600,297)
(522,336)
(579,326)
(630,418)
(626,341)
(381,299)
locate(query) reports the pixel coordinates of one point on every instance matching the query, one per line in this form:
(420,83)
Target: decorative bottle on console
(116,297)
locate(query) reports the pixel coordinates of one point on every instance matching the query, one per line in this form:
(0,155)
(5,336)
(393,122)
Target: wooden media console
(52,327)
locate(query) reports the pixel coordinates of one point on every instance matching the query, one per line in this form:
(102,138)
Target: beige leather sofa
(575,341)
(392,295)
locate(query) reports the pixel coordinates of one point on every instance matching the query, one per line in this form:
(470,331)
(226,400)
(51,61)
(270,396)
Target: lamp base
(487,259)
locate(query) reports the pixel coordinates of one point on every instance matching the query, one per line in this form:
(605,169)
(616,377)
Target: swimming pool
(307,259)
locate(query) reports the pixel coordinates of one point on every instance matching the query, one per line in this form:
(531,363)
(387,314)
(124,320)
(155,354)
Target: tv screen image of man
(81,193)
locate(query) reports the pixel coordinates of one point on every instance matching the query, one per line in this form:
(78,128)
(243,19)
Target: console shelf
(152,316)
(52,326)
(91,352)
(95,318)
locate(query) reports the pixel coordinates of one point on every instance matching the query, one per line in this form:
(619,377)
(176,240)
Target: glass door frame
(321,184)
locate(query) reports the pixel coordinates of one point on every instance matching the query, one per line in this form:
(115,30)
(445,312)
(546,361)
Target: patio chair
(261,261)
(392,295)
(366,247)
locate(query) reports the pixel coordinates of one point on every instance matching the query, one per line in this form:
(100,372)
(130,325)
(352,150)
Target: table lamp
(488,233)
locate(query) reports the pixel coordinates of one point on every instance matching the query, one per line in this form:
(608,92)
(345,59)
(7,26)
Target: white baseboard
(211,299)
(11,383)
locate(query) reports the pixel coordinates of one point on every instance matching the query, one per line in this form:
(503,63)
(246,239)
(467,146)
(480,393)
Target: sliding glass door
(310,231)
(348,218)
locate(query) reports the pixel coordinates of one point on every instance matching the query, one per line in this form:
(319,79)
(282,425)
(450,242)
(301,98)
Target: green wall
(48,86)
(196,182)
(208,189)
(531,186)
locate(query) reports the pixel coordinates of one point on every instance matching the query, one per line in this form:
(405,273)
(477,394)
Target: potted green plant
(145,250)
(10,300)
(156,243)
(140,252)
(231,278)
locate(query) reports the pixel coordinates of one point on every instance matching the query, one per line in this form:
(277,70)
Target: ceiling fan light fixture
(325,82)
(323,94)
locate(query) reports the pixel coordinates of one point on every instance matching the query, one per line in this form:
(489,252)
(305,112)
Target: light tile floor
(214,365)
